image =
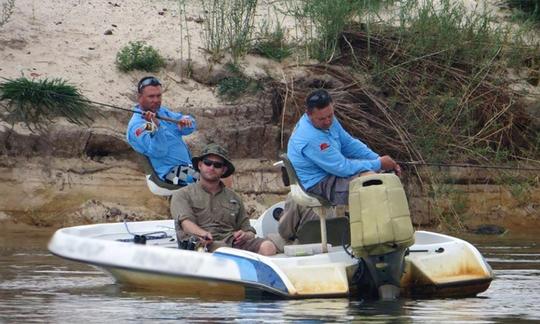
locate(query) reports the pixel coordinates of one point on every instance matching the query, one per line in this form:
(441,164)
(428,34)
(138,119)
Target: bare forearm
(192,228)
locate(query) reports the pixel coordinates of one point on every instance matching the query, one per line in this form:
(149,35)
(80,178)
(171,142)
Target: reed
(228,27)
(322,22)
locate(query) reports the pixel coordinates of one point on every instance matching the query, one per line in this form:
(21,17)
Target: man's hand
(387,163)
(241,236)
(150,116)
(185,121)
(397,170)
(207,238)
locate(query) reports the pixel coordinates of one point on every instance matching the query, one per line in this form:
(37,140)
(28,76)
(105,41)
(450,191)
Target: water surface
(36,286)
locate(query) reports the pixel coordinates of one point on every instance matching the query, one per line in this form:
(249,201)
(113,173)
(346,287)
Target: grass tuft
(233,87)
(139,56)
(272,43)
(37,102)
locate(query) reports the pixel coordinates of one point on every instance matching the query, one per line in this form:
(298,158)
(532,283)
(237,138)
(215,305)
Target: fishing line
(54,93)
(476,166)
(119,108)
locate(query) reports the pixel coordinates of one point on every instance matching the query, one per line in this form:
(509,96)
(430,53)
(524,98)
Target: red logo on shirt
(139,131)
(324,146)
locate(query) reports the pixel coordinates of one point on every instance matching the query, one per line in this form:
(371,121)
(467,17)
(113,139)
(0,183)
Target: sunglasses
(319,99)
(151,81)
(216,164)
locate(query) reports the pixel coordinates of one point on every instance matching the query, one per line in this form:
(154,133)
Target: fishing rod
(82,99)
(459,165)
(125,109)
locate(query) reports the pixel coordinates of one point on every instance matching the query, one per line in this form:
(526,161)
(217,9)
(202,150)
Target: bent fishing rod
(412,163)
(126,109)
(85,100)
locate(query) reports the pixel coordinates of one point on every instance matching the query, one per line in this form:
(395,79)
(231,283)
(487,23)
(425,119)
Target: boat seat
(298,192)
(337,229)
(303,198)
(153,181)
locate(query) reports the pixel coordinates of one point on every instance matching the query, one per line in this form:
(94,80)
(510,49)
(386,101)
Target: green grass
(37,102)
(322,22)
(528,10)
(228,27)
(272,43)
(139,56)
(449,66)
(231,88)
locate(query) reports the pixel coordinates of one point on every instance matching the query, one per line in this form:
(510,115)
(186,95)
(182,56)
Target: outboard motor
(381,230)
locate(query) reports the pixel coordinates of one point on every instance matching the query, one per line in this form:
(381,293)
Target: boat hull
(437,265)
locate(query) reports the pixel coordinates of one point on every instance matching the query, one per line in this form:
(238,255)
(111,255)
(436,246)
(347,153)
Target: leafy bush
(139,56)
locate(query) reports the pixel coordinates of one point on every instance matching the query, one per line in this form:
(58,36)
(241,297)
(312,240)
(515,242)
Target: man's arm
(246,231)
(186,123)
(191,228)
(145,141)
(353,148)
(331,160)
(242,220)
(182,212)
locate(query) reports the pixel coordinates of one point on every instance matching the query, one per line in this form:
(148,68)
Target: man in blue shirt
(160,140)
(325,156)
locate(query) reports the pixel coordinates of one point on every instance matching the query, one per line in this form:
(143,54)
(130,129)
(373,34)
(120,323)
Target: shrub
(139,56)
(234,86)
(272,44)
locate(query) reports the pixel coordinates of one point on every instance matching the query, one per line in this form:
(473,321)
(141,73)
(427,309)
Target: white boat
(385,258)
(437,265)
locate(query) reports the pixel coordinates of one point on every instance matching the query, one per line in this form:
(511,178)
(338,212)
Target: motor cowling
(381,229)
(379,215)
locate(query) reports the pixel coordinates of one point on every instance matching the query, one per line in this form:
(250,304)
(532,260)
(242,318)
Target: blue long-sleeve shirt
(165,146)
(316,153)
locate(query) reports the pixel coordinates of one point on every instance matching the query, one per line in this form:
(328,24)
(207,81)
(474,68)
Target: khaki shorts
(252,245)
(333,188)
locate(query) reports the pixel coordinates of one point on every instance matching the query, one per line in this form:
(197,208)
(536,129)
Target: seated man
(292,219)
(326,159)
(325,156)
(212,212)
(161,141)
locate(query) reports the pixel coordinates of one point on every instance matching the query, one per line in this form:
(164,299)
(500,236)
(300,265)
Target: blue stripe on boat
(256,271)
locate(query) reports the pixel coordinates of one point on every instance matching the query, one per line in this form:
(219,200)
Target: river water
(37,287)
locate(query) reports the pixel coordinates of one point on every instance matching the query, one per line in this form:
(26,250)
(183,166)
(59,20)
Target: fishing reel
(193,243)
